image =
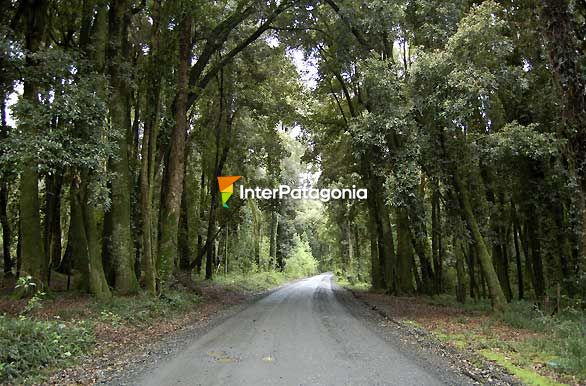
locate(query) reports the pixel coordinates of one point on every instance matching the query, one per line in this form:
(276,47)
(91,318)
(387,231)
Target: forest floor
(532,355)
(67,338)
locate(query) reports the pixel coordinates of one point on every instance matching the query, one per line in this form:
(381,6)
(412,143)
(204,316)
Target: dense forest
(465,120)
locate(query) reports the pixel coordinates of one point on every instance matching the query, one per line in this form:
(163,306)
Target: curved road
(298,335)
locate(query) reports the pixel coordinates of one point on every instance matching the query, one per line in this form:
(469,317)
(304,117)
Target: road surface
(298,335)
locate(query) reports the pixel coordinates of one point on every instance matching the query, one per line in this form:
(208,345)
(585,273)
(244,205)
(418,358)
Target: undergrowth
(30,348)
(559,344)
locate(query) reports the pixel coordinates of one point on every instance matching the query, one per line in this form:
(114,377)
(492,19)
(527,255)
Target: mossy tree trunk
(273,232)
(148,155)
(201,220)
(121,247)
(6,231)
(84,239)
(52,221)
(175,166)
(404,254)
(497,296)
(32,254)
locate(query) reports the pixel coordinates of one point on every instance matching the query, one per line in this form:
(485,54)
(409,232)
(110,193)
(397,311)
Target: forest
(464,120)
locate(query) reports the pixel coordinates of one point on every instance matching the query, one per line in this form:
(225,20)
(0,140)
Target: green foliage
(29,347)
(253,281)
(301,263)
(145,309)
(26,285)
(565,334)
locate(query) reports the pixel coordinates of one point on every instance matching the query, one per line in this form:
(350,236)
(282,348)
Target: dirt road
(298,335)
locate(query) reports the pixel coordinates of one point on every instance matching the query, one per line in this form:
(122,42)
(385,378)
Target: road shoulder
(448,363)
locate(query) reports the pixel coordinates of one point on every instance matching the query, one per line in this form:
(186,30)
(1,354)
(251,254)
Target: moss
(526,376)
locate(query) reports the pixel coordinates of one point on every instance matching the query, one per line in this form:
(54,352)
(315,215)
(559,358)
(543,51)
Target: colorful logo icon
(227,188)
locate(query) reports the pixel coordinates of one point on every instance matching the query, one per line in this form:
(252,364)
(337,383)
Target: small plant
(111,318)
(34,303)
(25,285)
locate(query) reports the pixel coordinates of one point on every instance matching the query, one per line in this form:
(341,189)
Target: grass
(554,344)
(353,285)
(49,339)
(526,376)
(254,281)
(143,309)
(30,348)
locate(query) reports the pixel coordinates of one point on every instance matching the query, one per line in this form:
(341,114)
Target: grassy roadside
(57,331)
(536,348)
(44,335)
(254,282)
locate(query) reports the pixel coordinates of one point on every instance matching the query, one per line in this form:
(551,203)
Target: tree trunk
(375,273)
(387,245)
(211,229)
(358,253)
(563,43)
(201,221)
(83,239)
(6,233)
(52,223)
(349,237)
(516,236)
(32,254)
(174,171)
(121,248)
(497,297)
(183,241)
(273,231)
(471,260)
(536,260)
(404,254)
(148,156)
(422,248)
(4,191)
(460,271)
(436,244)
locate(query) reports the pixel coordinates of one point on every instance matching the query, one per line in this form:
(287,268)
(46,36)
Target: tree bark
(497,297)
(516,237)
(404,254)
(83,240)
(561,38)
(174,171)
(273,231)
(460,271)
(201,221)
(148,155)
(436,234)
(52,223)
(121,248)
(6,232)
(184,243)
(32,254)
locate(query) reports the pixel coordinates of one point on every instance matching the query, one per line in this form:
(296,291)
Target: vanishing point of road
(300,334)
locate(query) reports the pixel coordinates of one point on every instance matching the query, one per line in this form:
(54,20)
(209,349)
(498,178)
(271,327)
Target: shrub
(29,347)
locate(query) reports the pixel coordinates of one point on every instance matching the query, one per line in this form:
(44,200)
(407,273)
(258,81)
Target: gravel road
(300,334)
